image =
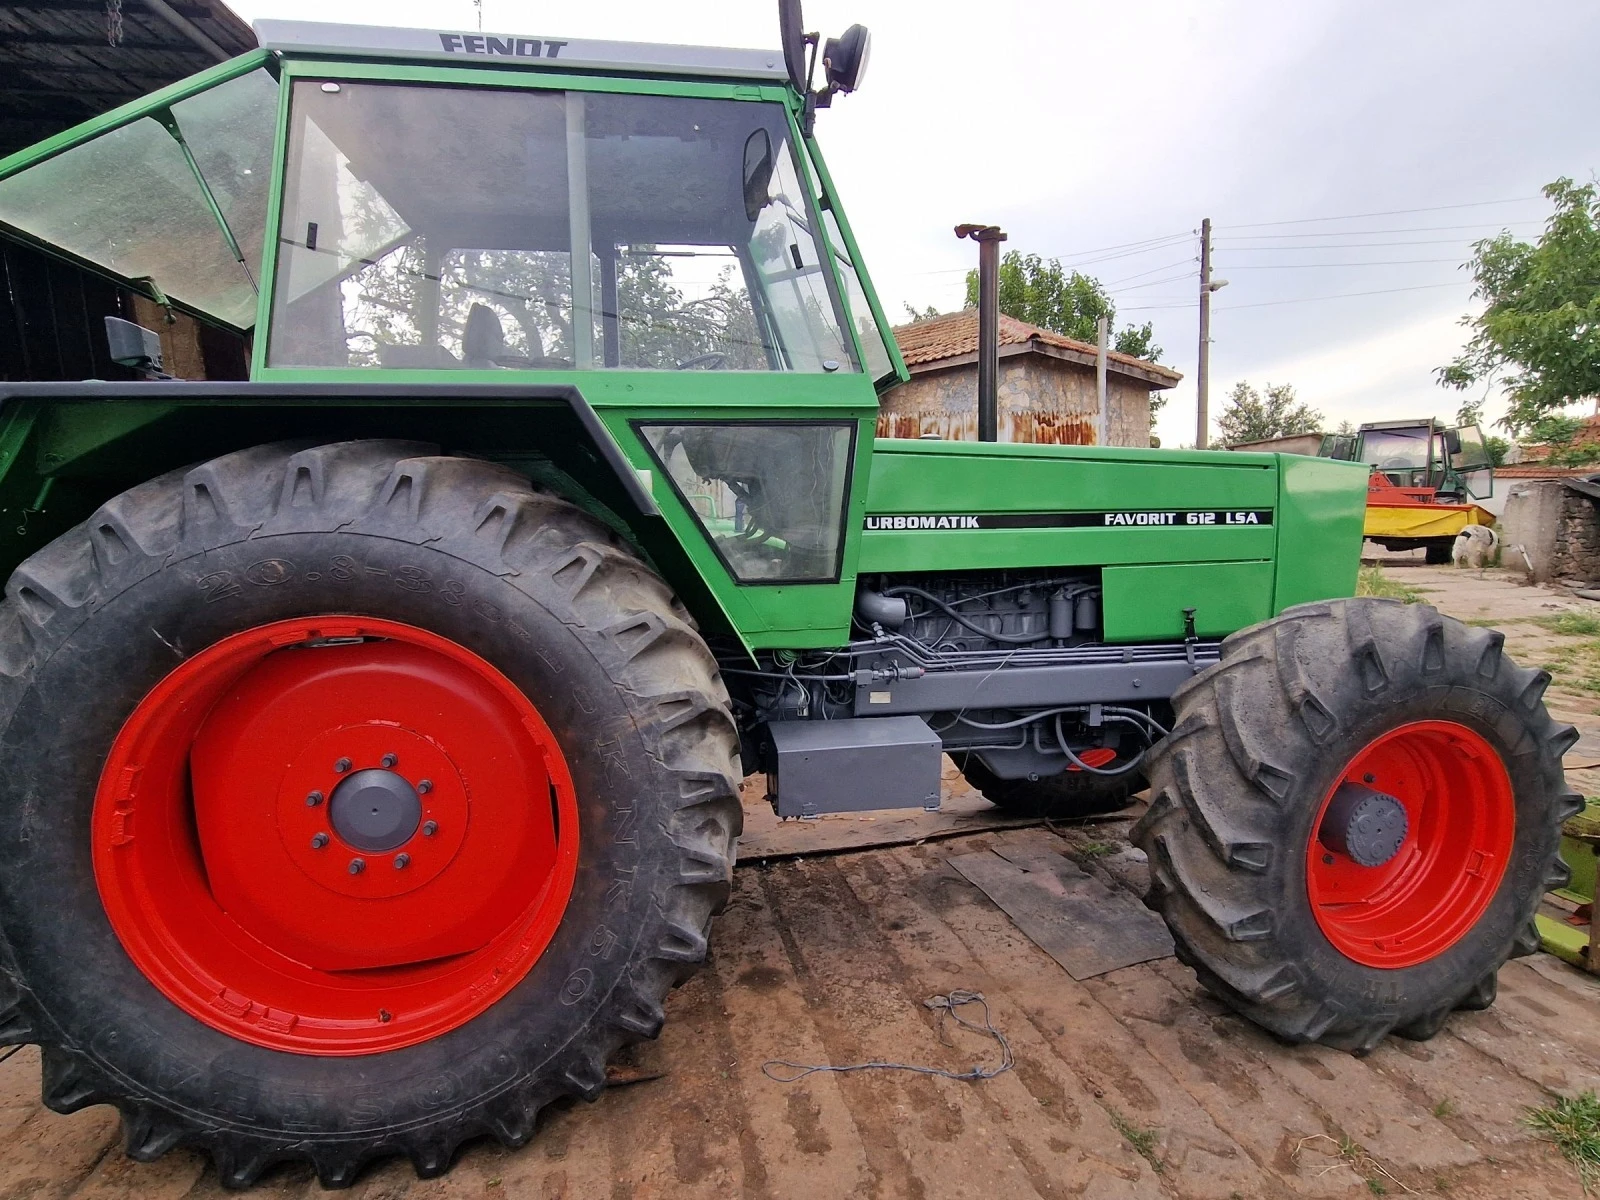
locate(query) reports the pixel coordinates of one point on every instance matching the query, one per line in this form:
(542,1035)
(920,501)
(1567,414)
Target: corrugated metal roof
(64,61)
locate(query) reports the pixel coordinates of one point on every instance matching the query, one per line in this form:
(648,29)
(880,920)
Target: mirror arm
(815,99)
(157,295)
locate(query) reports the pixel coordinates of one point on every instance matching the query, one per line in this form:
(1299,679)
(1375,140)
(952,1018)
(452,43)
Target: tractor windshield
(433,227)
(1397,449)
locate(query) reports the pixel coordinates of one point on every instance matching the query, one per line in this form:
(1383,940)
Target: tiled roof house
(1046,389)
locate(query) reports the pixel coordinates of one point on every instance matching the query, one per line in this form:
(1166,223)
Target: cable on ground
(945,1006)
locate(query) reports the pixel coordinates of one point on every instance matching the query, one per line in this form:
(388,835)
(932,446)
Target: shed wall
(1039,399)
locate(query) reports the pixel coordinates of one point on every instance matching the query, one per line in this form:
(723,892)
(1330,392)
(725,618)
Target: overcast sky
(1085,127)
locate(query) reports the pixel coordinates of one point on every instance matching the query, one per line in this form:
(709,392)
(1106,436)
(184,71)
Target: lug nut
(390,760)
(318,841)
(357,865)
(402,861)
(429,828)
(424,786)
(341,766)
(313,799)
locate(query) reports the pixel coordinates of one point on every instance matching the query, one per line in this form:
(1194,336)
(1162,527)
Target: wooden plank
(1073,917)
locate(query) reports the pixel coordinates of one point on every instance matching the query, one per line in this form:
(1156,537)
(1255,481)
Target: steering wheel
(712,362)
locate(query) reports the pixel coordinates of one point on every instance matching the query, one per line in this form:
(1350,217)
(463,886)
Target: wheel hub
(1411,843)
(1366,826)
(375,810)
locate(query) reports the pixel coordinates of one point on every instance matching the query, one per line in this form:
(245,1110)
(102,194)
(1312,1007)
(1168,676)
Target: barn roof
(65,61)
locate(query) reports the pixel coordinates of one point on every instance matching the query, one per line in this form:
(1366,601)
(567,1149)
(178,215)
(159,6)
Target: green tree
(1046,294)
(919,314)
(1252,416)
(1539,332)
(1551,429)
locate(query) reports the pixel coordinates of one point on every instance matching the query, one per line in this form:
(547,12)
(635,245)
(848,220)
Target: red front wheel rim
(335,835)
(1459,830)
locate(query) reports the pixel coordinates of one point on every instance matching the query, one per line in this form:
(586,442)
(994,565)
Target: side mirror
(844,58)
(135,346)
(758,167)
(792,28)
(1452,441)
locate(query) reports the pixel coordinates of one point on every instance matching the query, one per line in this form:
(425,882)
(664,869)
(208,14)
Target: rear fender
(66,448)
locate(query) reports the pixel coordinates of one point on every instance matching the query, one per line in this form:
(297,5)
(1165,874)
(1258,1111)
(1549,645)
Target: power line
(1391,262)
(1347,245)
(1160,282)
(1329,233)
(1083,258)
(1182,262)
(1166,237)
(1392,212)
(1339,296)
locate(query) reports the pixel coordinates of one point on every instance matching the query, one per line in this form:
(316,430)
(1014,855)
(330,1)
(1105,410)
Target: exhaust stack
(988,238)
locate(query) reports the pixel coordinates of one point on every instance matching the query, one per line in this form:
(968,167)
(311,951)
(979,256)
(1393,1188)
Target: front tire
(1316,918)
(376,601)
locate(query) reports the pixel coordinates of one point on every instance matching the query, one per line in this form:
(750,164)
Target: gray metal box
(852,765)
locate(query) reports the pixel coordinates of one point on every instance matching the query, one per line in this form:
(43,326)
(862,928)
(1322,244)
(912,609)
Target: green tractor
(371,730)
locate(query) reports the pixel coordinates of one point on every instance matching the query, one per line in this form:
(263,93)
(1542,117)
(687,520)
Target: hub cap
(375,810)
(1411,844)
(336,835)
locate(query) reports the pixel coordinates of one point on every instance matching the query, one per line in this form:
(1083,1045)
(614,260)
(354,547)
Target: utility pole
(1203,415)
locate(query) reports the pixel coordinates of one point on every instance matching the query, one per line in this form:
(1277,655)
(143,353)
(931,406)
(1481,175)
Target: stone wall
(1550,531)
(1039,399)
(1577,551)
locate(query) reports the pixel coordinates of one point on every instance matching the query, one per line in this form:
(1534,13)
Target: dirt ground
(1133,1084)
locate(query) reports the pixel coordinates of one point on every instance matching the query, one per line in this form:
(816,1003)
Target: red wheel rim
(1460,829)
(242,792)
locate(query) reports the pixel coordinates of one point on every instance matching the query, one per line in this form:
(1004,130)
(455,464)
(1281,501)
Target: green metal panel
(1002,477)
(1567,942)
(1580,856)
(1145,604)
(1321,507)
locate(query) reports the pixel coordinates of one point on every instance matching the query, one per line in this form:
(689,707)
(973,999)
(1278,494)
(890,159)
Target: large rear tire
(1355,818)
(541,750)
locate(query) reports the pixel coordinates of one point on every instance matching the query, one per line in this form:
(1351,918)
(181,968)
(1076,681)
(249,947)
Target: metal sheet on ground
(962,811)
(1075,918)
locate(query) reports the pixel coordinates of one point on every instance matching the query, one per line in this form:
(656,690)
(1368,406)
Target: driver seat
(483,340)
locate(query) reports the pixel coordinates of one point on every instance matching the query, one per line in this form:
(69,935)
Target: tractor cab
(358,199)
(1422,459)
